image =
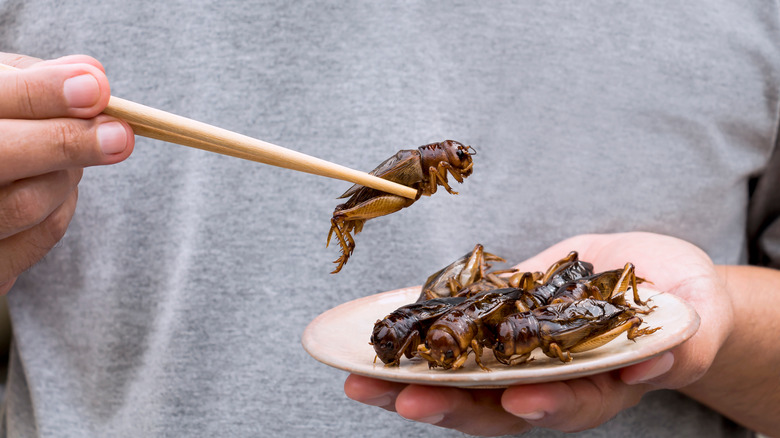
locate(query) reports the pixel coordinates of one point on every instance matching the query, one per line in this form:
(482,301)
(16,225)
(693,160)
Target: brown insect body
(423,169)
(567,270)
(608,286)
(400,332)
(458,277)
(567,309)
(490,282)
(466,328)
(564,328)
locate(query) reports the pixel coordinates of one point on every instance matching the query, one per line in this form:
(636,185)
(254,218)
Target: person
(171,300)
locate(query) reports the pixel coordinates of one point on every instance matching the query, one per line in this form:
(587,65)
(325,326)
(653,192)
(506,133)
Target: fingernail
(433,419)
(380,401)
(661,366)
(531,416)
(112,138)
(81,91)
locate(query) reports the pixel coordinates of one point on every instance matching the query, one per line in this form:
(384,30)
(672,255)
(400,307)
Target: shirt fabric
(175,303)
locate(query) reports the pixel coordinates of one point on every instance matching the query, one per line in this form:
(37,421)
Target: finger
(70,59)
(53,90)
(372,392)
(572,405)
(17,61)
(6,286)
(21,251)
(35,147)
(21,61)
(28,202)
(647,371)
(475,412)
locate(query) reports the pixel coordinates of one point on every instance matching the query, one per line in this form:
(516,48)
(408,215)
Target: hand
(672,265)
(51,129)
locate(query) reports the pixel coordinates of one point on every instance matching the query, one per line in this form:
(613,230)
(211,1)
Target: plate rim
(497,378)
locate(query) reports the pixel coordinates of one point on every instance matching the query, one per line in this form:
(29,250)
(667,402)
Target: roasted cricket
(400,332)
(606,286)
(564,328)
(567,309)
(467,327)
(565,270)
(458,277)
(423,169)
(584,313)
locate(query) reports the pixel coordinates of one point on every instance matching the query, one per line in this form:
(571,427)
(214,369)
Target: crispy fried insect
(466,328)
(564,328)
(469,270)
(567,309)
(400,332)
(491,282)
(608,286)
(423,169)
(565,270)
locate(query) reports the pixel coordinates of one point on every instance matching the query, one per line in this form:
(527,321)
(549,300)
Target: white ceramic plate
(339,338)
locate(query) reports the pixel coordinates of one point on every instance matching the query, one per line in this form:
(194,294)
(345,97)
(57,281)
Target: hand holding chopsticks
(161,125)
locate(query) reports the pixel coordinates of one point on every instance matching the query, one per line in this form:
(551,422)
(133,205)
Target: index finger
(35,147)
(17,61)
(572,405)
(53,89)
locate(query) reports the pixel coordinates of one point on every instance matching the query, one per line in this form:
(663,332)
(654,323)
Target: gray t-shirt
(174,305)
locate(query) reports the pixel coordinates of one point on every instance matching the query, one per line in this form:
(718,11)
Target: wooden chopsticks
(161,125)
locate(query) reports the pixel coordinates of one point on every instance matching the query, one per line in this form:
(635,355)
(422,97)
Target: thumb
(74,86)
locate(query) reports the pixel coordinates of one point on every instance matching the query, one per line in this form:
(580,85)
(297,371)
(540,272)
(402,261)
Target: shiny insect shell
(399,333)
(470,326)
(423,169)
(466,328)
(565,270)
(564,328)
(465,276)
(608,286)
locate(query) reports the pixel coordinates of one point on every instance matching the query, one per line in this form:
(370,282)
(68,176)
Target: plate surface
(339,337)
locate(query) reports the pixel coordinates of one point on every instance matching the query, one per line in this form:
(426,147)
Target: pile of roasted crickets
(466,308)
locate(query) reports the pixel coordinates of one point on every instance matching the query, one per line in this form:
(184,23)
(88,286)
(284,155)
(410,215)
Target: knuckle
(56,224)
(33,244)
(6,282)
(18,260)
(694,370)
(60,221)
(75,175)
(25,90)
(11,265)
(22,209)
(17,60)
(54,228)
(67,137)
